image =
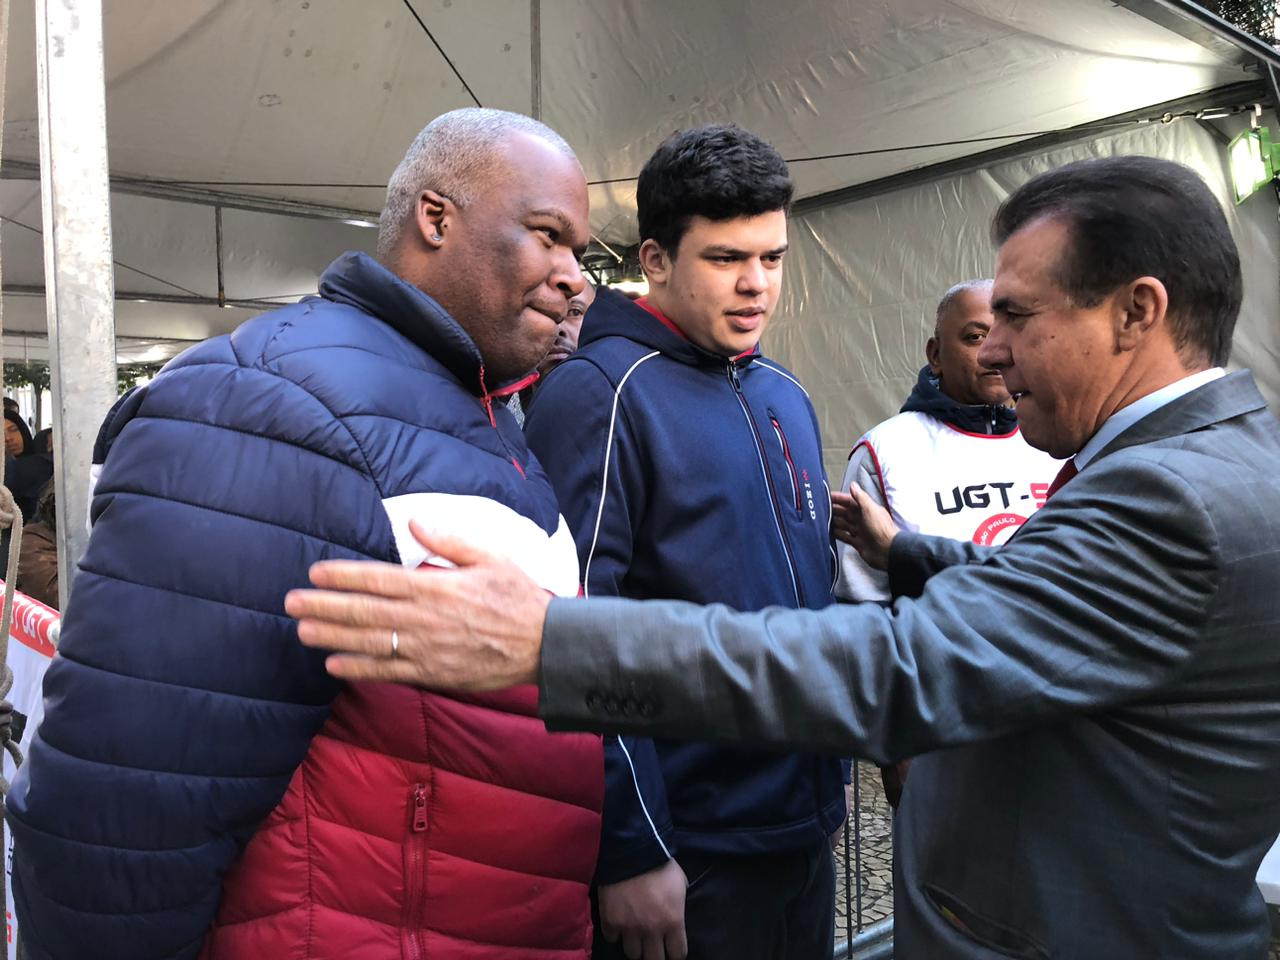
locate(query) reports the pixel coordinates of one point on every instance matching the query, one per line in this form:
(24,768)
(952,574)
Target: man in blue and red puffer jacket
(201,785)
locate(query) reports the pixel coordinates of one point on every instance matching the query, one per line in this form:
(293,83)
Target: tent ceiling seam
(150,276)
(431,37)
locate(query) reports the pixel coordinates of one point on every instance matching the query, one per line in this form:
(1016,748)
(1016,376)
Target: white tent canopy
(276,107)
(302,92)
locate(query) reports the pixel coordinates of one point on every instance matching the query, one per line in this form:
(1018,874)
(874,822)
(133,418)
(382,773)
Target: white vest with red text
(940,480)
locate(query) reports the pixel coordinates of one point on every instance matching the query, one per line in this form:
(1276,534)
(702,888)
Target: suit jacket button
(648,708)
(611,705)
(630,707)
(594,701)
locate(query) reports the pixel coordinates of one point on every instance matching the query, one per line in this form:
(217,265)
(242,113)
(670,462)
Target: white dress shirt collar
(1126,417)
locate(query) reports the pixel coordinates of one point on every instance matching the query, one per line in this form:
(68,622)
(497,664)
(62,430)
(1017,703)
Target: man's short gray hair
(951,296)
(455,155)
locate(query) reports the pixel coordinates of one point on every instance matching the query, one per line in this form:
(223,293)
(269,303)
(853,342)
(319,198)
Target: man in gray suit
(1095,706)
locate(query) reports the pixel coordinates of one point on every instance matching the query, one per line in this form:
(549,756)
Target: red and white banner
(32,635)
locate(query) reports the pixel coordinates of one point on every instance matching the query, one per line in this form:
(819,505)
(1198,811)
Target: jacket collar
(986,418)
(359,281)
(614,315)
(1222,399)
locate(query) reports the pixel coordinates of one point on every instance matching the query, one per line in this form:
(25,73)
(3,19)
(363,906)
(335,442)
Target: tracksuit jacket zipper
(791,467)
(768,479)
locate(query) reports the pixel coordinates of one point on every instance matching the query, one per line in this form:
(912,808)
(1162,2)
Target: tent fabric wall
(863,279)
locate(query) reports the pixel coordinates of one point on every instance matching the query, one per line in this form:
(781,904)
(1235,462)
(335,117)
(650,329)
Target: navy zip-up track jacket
(684,475)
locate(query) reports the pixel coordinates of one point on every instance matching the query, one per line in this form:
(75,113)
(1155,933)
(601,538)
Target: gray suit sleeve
(1098,601)
(915,557)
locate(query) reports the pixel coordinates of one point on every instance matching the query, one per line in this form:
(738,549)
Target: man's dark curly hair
(718,171)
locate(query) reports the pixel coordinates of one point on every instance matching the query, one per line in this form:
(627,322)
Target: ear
(655,262)
(933,353)
(433,214)
(1140,309)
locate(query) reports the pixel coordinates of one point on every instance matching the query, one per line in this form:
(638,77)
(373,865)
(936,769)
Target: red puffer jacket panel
(423,826)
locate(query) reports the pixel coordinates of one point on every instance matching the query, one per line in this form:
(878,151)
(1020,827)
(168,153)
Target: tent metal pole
(873,943)
(217,242)
(1193,22)
(207,196)
(32,290)
(535,57)
(79,285)
(1232,94)
(1272,76)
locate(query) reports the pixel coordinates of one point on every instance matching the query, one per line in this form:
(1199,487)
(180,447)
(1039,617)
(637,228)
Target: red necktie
(1066,473)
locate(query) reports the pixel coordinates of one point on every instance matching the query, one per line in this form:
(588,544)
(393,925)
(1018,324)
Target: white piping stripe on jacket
(831,543)
(551,561)
(586,572)
(604,482)
(627,753)
(769,366)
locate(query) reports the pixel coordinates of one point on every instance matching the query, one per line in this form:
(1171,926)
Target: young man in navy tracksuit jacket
(689,467)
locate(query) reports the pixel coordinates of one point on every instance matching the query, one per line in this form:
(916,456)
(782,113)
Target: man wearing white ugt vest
(952,463)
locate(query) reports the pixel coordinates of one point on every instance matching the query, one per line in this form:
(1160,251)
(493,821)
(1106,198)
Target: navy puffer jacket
(181,704)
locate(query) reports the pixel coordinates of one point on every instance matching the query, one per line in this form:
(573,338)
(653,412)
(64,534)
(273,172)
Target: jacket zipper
(487,400)
(415,885)
(768,481)
(791,467)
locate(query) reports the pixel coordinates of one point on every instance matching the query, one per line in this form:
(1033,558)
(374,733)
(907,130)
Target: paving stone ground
(874,879)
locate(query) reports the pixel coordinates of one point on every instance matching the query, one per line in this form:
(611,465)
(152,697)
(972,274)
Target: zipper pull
(733,376)
(486,399)
(419,808)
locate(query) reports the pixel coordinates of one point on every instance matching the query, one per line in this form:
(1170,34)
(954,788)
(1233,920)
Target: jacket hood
(988,418)
(356,279)
(614,315)
(27,445)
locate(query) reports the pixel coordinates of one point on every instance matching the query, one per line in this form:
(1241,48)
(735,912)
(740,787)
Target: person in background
(17,435)
(951,463)
(562,348)
(568,333)
(26,469)
(43,441)
(38,555)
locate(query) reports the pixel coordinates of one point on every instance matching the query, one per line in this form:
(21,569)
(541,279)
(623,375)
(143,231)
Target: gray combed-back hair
(951,296)
(454,155)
